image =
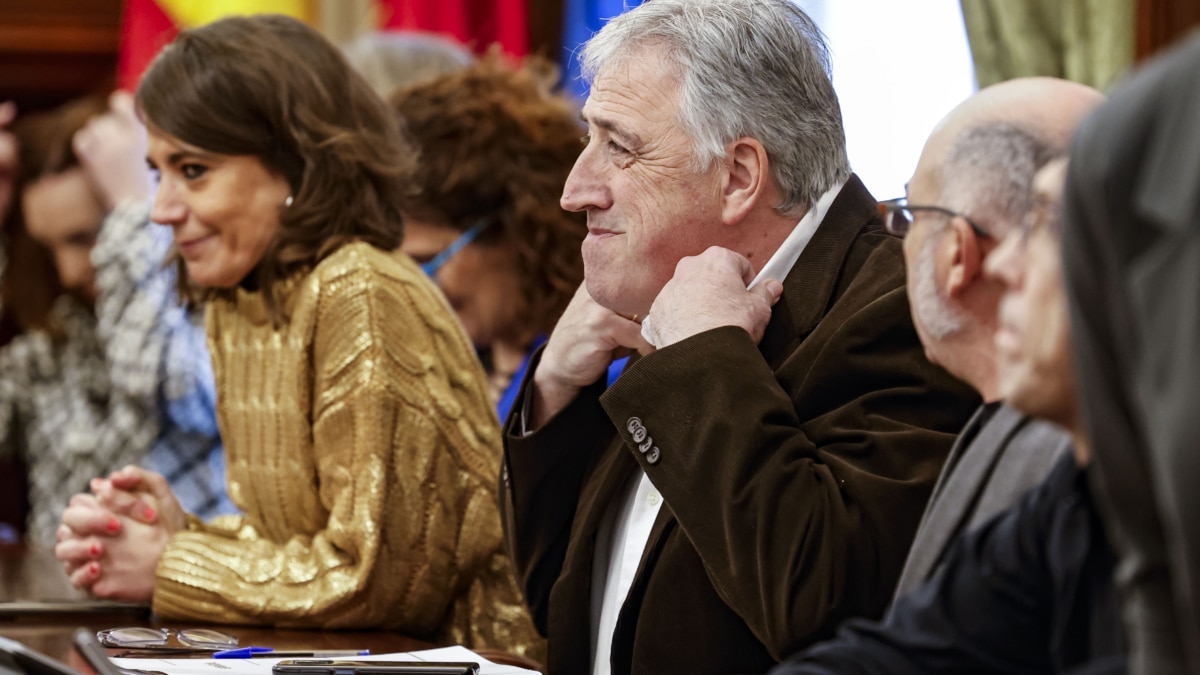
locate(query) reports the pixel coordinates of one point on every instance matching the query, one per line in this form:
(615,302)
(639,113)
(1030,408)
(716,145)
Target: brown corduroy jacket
(793,472)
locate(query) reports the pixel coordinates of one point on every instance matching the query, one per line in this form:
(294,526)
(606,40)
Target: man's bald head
(1047,106)
(979,162)
(1046,110)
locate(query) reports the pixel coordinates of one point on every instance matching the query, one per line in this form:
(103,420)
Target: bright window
(898,68)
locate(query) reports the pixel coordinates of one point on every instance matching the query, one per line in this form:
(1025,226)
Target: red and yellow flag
(478,23)
(149,25)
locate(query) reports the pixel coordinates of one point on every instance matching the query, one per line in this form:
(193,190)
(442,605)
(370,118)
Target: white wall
(898,66)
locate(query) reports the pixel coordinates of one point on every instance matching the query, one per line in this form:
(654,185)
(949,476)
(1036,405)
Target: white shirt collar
(785,257)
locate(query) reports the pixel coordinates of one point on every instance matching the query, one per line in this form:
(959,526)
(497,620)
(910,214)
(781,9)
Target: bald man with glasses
(1031,590)
(972,185)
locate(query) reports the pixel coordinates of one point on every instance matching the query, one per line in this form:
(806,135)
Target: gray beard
(936,317)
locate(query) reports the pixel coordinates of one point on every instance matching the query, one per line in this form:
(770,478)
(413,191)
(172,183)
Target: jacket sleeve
(800,483)
(156,355)
(543,476)
(987,610)
(155,347)
(406,458)
(15,385)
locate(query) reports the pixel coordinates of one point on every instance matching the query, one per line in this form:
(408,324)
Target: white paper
(262,666)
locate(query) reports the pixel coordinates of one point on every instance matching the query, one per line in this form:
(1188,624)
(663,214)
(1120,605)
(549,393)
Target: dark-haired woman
(359,439)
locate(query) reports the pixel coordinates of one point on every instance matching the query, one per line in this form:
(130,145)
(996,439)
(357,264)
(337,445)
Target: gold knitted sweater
(363,450)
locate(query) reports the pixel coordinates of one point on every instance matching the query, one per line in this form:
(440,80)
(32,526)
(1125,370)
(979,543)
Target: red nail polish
(95,550)
(94,569)
(148,514)
(114,525)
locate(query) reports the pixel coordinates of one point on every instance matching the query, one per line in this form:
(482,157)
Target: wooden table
(31,574)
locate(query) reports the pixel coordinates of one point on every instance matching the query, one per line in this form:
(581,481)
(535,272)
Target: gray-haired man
(757,476)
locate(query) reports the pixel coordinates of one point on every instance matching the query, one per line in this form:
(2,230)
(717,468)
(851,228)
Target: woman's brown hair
(272,87)
(497,143)
(30,285)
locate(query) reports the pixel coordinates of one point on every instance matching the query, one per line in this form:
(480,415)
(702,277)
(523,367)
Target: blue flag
(581,20)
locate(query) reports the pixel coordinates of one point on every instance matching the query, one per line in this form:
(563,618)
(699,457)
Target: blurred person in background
(14,503)
(1131,233)
(496,144)
(392,60)
(972,185)
(105,368)
(360,441)
(8,156)
(1031,590)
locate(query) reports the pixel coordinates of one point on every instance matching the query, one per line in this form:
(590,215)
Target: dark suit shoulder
(1023,463)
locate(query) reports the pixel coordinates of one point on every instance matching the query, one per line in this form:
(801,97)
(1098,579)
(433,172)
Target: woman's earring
(287,202)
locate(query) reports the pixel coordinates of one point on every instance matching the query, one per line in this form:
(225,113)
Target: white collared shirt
(625,528)
(785,256)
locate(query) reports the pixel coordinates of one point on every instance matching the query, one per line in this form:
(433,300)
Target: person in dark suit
(977,168)
(1132,255)
(756,476)
(1030,591)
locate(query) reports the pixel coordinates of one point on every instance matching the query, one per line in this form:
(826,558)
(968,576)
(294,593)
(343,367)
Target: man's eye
(191,171)
(617,148)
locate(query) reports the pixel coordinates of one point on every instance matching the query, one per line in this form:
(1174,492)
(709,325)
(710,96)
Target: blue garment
(581,20)
(188,451)
(510,394)
(131,384)
(159,358)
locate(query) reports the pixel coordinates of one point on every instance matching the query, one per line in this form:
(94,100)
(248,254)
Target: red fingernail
(148,513)
(94,569)
(114,525)
(95,550)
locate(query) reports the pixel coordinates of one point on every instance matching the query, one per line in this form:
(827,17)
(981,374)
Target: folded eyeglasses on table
(142,639)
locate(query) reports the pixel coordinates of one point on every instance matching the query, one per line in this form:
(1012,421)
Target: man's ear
(745,179)
(966,257)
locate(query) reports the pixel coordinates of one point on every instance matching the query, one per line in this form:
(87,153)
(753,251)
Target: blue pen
(251,652)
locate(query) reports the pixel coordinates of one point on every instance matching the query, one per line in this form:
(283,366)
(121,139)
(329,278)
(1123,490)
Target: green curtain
(1087,41)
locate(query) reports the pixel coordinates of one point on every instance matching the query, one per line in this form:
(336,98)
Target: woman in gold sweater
(359,437)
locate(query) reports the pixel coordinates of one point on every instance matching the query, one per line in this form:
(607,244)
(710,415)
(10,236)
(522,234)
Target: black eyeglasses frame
(888,210)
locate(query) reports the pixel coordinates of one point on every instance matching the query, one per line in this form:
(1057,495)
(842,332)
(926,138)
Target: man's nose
(1004,263)
(585,187)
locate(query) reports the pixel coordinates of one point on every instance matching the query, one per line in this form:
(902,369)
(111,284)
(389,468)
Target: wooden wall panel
(1161,22)
(55,50)
(545,28)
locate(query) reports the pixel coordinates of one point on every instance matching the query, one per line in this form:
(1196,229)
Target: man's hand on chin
(586,340)
(709,291)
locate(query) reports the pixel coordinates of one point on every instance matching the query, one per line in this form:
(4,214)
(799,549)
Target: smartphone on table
(349,667)
(94,652)
(17,658)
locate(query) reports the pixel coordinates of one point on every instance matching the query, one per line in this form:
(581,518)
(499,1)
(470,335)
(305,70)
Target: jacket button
(639,434)
(634,424)
(653,456)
